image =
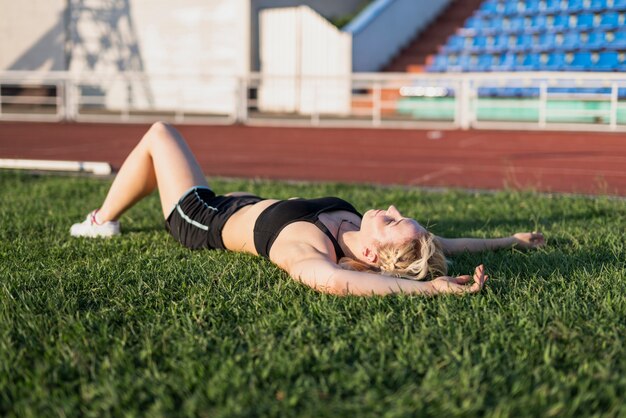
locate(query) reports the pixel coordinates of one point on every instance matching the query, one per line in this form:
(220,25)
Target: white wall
(32,35)
(204,44)
(305,63)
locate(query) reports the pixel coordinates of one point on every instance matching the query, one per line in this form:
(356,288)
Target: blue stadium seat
(538,23)
(515,24)
(529,62)
(619,5)
(476,23)
(555,61)
(461,63)
(559,22)
(523,42)
(439,64)
(598,5)
(490,8)
(608,61)
(615,40)
(611,20)
(547,42)
(551,6)
(455,43)
(500,43)
(533,7)
(512,8)
(507,61)
(571,41)
(597,40)
(485,61)
(585,21)
(575,6)
(479,43)
(496,25)
(580,61)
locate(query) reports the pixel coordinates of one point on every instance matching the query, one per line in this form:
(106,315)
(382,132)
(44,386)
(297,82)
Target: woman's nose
(393,211)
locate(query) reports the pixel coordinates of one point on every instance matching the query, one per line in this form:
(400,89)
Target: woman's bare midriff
(238,233)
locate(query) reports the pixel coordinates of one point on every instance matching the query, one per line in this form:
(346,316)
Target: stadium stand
(538,35)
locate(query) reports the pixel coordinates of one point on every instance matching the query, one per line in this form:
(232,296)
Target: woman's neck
(348,239)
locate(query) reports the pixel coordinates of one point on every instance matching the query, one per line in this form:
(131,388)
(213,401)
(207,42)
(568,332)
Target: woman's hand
(459,284)
(529,240)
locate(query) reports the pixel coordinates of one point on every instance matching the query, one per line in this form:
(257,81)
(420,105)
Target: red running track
(588,163)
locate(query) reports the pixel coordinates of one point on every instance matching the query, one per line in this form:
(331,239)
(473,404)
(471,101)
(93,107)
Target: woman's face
(390,227)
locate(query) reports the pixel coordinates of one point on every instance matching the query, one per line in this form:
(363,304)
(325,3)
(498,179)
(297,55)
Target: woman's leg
(161,159)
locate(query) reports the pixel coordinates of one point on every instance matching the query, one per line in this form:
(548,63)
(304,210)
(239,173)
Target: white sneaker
(91,228)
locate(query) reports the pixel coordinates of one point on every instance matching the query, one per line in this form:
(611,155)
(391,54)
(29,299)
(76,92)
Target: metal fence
(562,101)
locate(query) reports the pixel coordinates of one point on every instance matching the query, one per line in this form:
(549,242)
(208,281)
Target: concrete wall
(386,26)
(32,35)
(306,63)
(190,52)
(327,8)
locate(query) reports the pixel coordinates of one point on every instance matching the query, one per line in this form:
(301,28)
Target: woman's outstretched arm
(523,240)
(325,276)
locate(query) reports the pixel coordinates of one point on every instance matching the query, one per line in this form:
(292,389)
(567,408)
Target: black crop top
(277,216)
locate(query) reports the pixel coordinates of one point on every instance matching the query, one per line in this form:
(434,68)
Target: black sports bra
(280,214)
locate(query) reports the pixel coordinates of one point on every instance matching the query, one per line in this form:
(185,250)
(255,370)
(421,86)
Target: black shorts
(197,220)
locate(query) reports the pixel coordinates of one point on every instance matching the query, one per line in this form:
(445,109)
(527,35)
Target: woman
(323,243)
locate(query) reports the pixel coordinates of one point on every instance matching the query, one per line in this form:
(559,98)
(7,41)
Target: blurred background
(504,64)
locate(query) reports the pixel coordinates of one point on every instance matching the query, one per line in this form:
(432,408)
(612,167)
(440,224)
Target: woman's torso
(238,232)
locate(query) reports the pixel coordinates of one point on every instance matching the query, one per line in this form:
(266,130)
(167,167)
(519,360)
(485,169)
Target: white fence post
(464,98)
(543,104)
(376,104)
(614,94)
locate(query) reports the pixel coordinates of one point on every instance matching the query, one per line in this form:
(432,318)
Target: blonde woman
(324,243)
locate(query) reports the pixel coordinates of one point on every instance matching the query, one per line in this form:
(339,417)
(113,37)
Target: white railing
(563,101)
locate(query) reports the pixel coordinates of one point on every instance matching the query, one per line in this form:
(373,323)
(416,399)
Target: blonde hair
(415,259)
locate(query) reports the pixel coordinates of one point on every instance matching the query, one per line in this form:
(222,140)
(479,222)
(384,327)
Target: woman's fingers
(460,279)
(460,284)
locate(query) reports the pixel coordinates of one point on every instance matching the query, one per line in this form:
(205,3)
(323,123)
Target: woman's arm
(323,275)
(524,240)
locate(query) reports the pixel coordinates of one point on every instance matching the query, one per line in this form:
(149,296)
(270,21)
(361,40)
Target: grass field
(139,326)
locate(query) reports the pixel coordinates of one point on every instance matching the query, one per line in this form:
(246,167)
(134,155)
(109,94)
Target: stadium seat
(571,41)
(547,42)
(532,7)
(484,63)
(479,43)
(500,43)
(615,40)
(559,22)
(439,64)
(523,43)
(513,8)
(515,24)
(455,43)
(507,61)
(607,61)
(585,21)
(476,23)
(580,61)
(599,5)
(619,5)
(490,8)
(597,40)
(611,20)
(576,6)
(551,6)
(529,62)
(538,23)
(556,61)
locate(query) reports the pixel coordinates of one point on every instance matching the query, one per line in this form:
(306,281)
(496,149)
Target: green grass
(140,326)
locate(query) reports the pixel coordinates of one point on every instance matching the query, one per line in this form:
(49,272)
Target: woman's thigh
(175,166)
